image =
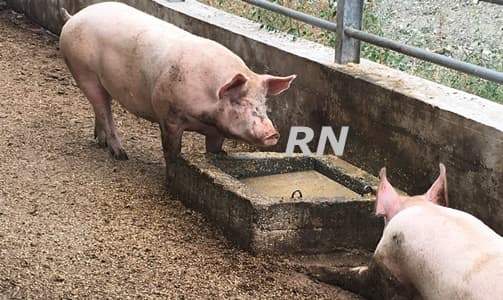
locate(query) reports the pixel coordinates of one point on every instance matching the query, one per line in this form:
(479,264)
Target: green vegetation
(372,22)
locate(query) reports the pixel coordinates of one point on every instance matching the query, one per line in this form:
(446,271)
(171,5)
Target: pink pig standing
(166,75)
(439,252)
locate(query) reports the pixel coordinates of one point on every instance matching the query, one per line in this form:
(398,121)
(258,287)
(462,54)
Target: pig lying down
(166,75)
(436,252)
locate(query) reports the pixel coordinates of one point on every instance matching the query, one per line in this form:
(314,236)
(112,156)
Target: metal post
(349,14)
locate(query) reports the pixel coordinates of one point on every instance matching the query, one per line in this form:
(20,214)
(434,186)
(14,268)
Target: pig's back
(114,28)
(112,20)
(449,254)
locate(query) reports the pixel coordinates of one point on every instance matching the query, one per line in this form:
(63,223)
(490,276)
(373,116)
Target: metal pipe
(500,2)
(426,55)
(294,14)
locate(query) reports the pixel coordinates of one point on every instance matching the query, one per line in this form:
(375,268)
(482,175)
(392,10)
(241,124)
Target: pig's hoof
(101,143)
(169,180)
(219,152)
(119,154)
(100,138)
(360,270)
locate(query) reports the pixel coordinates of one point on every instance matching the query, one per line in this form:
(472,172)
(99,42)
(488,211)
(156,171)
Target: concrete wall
(403,122)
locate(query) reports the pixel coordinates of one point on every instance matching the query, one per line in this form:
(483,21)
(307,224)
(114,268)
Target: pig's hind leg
(104,131)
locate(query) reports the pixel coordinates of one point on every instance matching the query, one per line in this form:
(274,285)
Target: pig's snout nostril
(274,136)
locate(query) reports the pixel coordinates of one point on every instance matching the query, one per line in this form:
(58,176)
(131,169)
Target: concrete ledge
(211,184)
(401,121)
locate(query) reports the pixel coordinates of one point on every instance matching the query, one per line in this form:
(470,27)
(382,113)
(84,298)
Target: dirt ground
(75,223)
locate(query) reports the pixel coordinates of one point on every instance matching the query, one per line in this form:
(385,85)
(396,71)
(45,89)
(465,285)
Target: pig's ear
(277,85)
(438,190)
(233,87)
(388,201)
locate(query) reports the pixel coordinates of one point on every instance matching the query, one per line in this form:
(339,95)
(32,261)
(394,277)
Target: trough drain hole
(296,192)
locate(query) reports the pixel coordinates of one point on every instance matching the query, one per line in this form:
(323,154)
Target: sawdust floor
(75,223)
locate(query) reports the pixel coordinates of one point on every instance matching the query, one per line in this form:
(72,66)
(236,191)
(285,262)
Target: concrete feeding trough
(276,203)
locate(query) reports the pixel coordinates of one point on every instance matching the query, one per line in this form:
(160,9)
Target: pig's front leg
(382,284)
(214,141)
(171,136)
(372,281)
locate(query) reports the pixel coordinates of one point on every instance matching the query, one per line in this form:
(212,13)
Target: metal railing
(349,34)
(500,2)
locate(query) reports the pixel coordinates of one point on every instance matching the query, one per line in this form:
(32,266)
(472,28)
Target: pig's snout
(271,139)
(270,135)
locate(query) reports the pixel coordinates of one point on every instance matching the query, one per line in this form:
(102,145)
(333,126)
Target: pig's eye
(244,102)
(238,100)
(235,100)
